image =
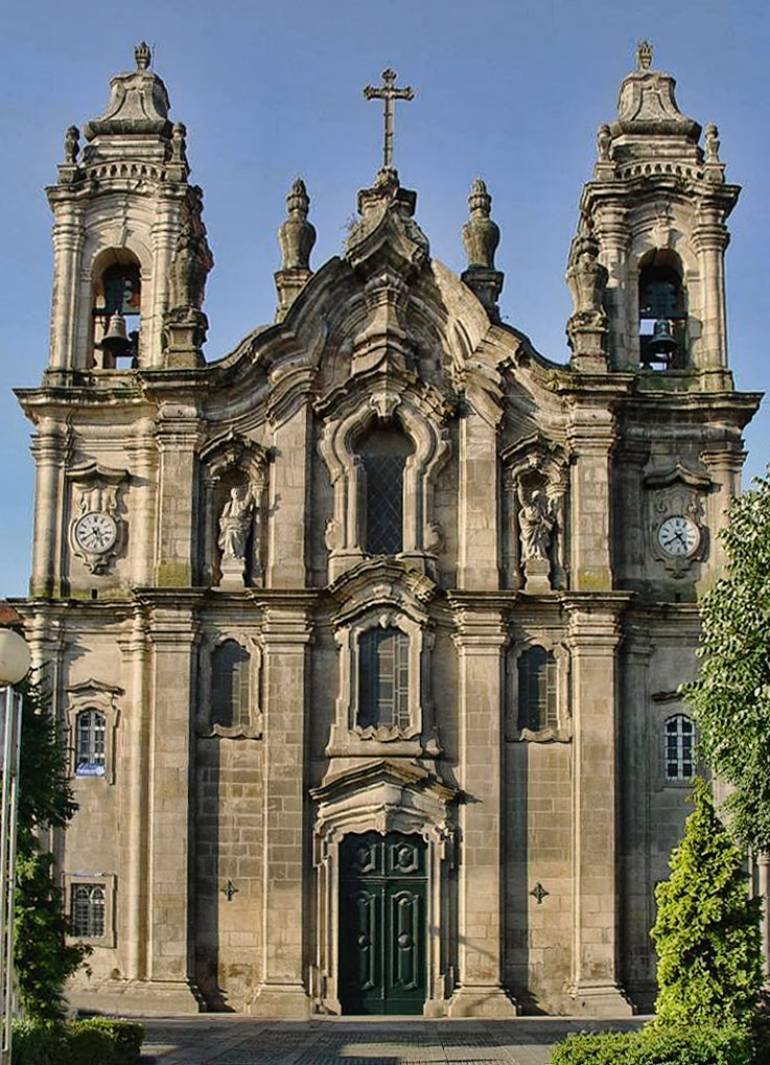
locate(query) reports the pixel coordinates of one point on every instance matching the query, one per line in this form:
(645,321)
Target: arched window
(384,453)
(116,309)
(230,696)
(679,750)
(662,313)
(87,910)
(537,690)
(90,747)
(383,700)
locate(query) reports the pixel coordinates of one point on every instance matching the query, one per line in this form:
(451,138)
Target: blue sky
(509,91)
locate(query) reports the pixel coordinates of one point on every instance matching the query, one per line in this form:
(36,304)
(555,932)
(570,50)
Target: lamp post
(14,665)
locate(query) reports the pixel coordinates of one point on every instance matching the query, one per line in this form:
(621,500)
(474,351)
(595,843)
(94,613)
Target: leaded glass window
(87,910)
(230,695)
(90,733)
(384,679)
(384,453)
(537,690)
(680,743)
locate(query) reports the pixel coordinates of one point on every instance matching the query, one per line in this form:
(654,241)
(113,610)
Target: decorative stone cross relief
(389,93)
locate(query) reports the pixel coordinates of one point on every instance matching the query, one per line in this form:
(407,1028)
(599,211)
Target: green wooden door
(382,923)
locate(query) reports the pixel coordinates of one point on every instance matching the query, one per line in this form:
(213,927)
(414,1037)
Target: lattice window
(537,690)
(384,679)
(384,453)
(230,695)
(90,744)
(88,905)
(680,748)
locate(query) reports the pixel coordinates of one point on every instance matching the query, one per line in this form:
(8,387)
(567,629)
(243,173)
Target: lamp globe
(14,657)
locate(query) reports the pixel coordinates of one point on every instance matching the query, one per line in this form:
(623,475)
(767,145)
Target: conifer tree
(707,934)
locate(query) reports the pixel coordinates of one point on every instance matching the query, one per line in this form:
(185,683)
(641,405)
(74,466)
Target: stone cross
(389,93)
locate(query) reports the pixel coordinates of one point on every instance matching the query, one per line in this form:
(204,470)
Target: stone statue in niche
(537,523)
(235,525)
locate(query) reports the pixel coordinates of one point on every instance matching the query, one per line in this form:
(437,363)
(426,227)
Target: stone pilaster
(478,505)
(170,966)
(614,235)
(135,771)
(594,636)
(710,238)
(49,451)
(591,434)
(286,635)
(724,464)
(144,469)
(68,241)
(289,489)
(177,438)
(164,232)
(480,638)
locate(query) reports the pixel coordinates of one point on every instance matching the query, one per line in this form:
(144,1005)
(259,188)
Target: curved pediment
(382,583)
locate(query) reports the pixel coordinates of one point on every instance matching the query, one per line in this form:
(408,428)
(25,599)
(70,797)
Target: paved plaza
(227,1040)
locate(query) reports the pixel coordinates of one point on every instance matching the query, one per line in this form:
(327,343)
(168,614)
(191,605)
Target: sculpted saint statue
(235,522)
(536,521)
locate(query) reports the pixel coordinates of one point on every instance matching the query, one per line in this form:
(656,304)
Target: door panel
(382,924)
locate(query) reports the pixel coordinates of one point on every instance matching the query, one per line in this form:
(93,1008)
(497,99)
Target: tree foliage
(730,700)
(707,930)
(43,958)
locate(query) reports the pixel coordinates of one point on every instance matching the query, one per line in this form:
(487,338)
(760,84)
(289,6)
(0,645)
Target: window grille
(90,747)
(537,690)
(88,911)
(230,685)
(384,504)
(384,679)
(679,751)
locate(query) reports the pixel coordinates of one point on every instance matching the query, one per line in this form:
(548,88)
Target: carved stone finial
(480,234)
(603,143)
(711,137)
(480,238)
(71,146)
(142,55)
(296,235)
(178,151)
(644,56)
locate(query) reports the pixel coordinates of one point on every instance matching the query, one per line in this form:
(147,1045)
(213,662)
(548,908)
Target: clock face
(679,536)
(96,532)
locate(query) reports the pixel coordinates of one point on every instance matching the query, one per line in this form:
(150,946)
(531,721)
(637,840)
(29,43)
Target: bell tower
(655,212)
(130,249)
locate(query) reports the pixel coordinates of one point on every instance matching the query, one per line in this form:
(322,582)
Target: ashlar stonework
(368,633)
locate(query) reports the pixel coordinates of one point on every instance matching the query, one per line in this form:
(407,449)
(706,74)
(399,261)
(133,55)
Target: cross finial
(389,93)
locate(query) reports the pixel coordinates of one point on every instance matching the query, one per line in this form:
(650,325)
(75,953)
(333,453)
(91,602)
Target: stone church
(367,634)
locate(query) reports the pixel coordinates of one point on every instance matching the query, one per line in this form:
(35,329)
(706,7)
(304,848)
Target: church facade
(367,635)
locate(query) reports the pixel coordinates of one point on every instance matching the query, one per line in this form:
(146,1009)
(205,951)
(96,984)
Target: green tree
(730,700)
(707,931)
(43,958)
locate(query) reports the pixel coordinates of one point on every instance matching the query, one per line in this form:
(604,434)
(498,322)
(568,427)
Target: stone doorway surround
(389,795)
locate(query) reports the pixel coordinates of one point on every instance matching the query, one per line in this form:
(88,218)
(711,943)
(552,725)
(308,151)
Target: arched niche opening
(663,340)
(116,306)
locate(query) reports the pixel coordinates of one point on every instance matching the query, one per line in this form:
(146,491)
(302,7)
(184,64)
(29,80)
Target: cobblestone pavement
(227,1040)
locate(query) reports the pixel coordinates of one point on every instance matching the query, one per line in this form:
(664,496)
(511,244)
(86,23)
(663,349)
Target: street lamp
(14,666)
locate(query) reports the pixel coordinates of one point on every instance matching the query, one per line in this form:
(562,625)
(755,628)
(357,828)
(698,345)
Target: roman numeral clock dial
(679,536)
(96,532)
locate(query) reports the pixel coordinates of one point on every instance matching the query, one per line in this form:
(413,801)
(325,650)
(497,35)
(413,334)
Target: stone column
(594,636)
(174,636)
(165,230)
(48,449)
(591,434)
(135,771)
(177,436)
(68,240)
(478,510)
(480,638)
(286,565)
(622,306)
(286,635)
(710,238)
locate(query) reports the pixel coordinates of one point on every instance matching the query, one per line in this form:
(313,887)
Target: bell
(115,341)
(662,344)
